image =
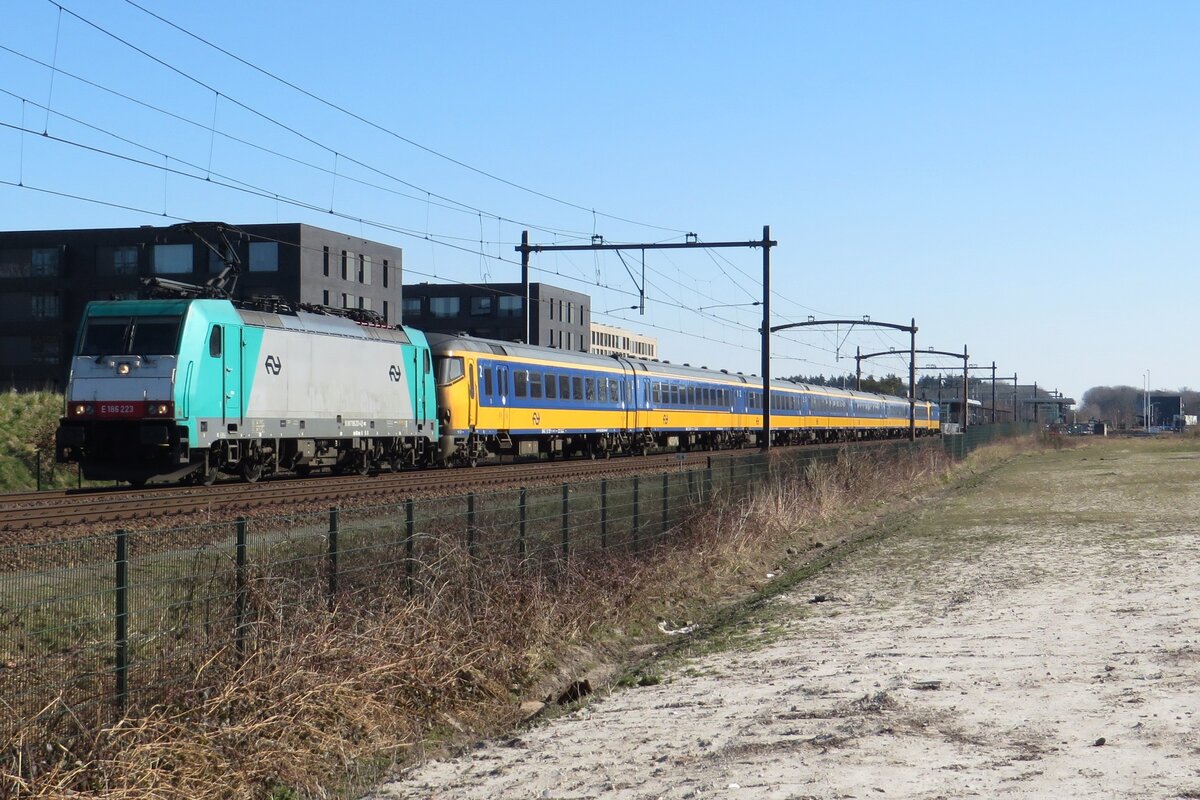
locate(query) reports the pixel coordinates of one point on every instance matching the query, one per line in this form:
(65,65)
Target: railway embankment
(1034,633)
(285,667)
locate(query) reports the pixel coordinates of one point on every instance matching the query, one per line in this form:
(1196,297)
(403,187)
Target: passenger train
(167,390)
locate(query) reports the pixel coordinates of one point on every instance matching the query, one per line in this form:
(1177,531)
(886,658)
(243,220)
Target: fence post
(692,486)
(636,509)
(122,623)
(333,556)
(604,513)
(732,473)
(37,456)
(410,535)
(239,631)
(523,505)
(566,520)
(471,549)
(666,501)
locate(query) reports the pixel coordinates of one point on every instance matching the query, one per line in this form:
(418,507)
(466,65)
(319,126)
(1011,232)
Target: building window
(385,273)
(364,269)
(45,306)
(264,256)
(509,306)
(325,262)
(481,306)
(117,261)
(347,299)
(325,297)
(410,307)
(385,312)
(216,262)
(172,259)
(14,263)
(45,350)
(44,262)
(570,312)
(444,307)
(362,302)
(344,265)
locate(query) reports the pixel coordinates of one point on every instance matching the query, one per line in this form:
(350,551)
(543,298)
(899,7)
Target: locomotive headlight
(89,409)
(123,368)
(79,409)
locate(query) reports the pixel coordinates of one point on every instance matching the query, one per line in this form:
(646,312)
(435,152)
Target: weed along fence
(92,629)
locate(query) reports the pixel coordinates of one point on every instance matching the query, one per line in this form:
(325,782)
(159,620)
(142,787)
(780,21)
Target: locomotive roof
(658,368)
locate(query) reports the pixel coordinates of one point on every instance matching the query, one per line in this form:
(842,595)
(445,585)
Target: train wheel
(302,470)
(207,476)
(251,470)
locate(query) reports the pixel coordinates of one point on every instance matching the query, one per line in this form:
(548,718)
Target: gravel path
(1035,635)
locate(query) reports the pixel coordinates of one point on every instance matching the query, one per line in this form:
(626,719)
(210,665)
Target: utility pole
(766,340)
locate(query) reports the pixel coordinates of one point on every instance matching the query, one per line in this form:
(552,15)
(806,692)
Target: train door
(225,347)
(628,397)
(503,387)
(420,370)
(472,394)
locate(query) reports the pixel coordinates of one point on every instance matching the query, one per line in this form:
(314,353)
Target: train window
(449,369)
(564,387)
(591,390)
(614,391)
(577,388)
(486,372)
(535,385)
(656,394)
(214,342)
(691,395)
(154,335)
(551,386)
(520,382)
(104,336)
(674,395)
(428,366)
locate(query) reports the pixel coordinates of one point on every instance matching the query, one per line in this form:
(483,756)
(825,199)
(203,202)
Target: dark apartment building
(48,277)
(558,317)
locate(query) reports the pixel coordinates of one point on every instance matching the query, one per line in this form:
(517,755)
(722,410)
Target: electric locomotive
(185,389)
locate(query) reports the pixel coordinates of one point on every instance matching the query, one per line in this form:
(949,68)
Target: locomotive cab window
(449,369)
(214,342)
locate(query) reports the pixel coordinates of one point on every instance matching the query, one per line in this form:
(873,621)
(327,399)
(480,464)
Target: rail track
(78,510)
(76,507)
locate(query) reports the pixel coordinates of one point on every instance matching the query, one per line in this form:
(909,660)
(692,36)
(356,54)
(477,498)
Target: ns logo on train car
(394,373)
(273,365)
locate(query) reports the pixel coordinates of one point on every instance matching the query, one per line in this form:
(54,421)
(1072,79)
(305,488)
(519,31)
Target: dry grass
(329,701)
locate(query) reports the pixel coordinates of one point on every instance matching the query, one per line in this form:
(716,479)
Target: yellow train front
(502,398)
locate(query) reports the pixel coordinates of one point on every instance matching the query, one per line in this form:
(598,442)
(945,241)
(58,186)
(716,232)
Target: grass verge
(329,700)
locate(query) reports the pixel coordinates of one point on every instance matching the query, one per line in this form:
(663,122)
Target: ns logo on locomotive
(189,388)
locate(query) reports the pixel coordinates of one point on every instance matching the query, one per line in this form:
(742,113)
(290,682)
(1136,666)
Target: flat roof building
(611,340)
(558,317)
(48,277)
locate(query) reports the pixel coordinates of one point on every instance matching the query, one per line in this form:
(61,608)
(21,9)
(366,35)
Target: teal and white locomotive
(186,389)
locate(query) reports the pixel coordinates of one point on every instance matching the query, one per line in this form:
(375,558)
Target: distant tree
(1121,405)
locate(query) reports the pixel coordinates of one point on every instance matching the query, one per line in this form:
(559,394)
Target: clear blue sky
(1021,178)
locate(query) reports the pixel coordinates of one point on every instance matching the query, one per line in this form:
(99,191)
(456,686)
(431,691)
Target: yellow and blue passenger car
(498,398)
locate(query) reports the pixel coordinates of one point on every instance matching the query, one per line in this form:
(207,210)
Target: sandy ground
(1035,635)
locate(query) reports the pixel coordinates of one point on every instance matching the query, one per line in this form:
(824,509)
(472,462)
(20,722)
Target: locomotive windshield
(448,369)
(114,336)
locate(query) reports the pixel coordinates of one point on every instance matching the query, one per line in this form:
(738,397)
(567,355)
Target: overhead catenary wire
(392,133)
